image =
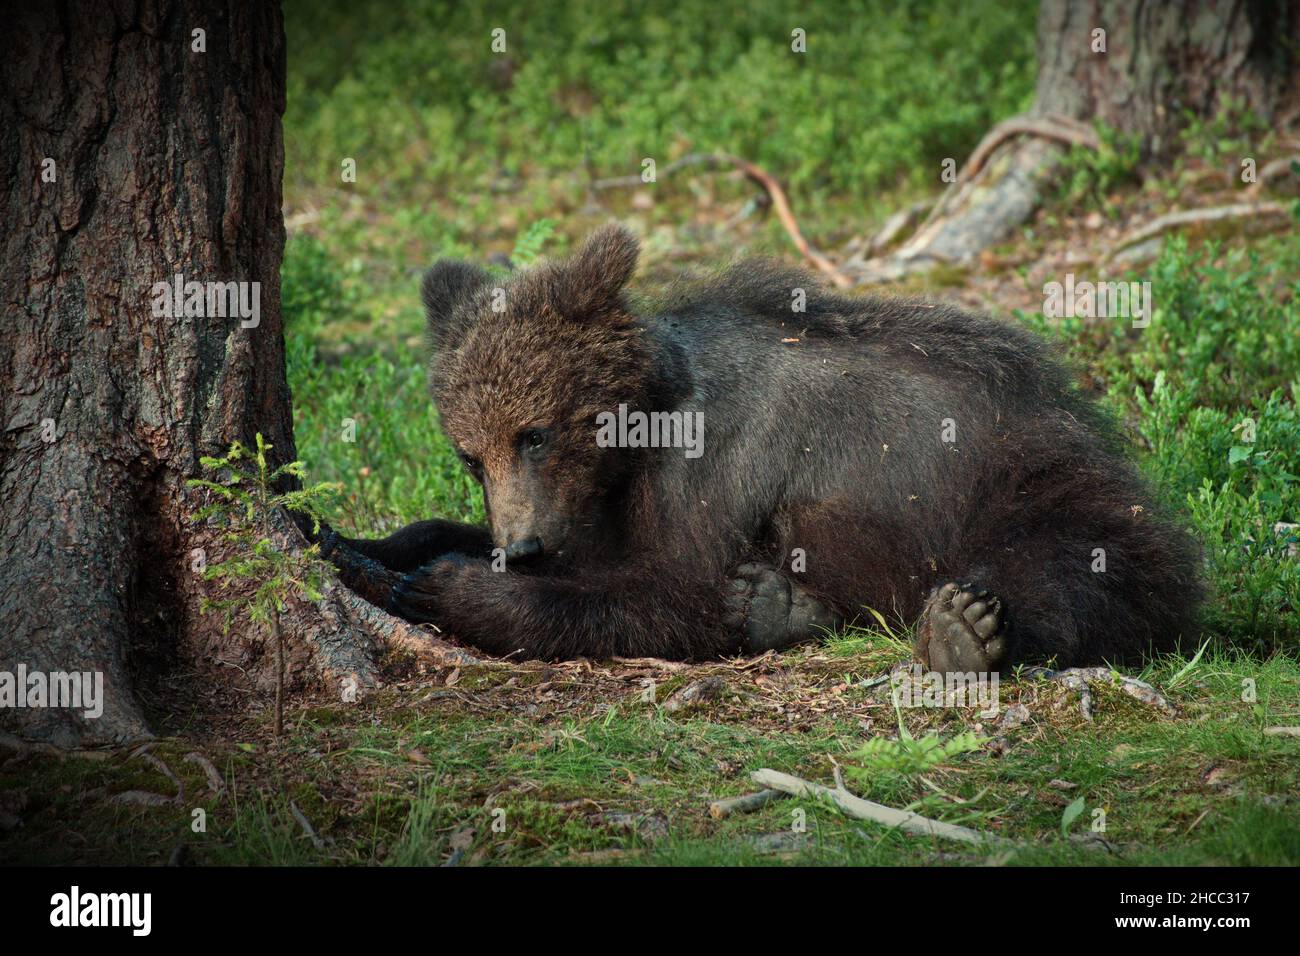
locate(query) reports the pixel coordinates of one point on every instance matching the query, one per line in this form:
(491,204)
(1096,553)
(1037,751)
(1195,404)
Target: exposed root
(1053,126)
(986,201)
(1195,217)
(215,783)
(1077,678)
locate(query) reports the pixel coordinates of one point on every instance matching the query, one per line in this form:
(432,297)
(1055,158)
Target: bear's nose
(524,550)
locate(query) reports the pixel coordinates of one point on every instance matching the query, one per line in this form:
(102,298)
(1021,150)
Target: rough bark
(167,161)
(1161,62)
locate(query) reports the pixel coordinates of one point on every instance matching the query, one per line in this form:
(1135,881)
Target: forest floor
(618,762)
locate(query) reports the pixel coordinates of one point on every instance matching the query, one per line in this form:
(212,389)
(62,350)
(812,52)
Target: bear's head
(520,368)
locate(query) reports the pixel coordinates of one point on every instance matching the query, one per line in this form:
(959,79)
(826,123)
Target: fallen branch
(866,810)
(1271,171)
(142,798)
(1196,217)
(769,185)
(719,809)
(303,822)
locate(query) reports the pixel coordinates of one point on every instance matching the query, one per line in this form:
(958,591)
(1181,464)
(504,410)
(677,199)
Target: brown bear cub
(807,456)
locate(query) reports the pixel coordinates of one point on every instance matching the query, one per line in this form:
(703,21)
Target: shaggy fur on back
(823,436)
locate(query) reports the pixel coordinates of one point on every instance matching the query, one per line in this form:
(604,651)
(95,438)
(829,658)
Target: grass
(463,153)
(591,771)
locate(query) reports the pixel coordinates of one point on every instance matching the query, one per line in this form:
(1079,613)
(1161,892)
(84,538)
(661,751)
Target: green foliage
(417,96)
(400,468)
(1072,813)
(1209,390)
(246,506)
(1089,175)
(528,247)
(1233,131)
(260,576)
(312,293)
(908,756)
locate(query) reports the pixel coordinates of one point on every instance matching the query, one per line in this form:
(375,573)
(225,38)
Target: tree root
(1195,217)
(995,191)
(1077,678)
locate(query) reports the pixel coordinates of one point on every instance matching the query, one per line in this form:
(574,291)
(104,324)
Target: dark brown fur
(830,443)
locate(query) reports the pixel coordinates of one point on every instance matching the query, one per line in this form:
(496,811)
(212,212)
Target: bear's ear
(597,273)
(445,285)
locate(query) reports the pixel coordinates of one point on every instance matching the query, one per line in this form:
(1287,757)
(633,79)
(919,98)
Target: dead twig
(1077,678)
(719,809)
(303,822)
(866,810)
(1282,731)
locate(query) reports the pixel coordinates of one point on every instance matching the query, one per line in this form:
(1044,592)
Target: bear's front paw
(418,596)
(770,612)
(366,577)
(963,630)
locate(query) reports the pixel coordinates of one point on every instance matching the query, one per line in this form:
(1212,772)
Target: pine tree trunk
(1161,61)
(164,159)
(1165,59)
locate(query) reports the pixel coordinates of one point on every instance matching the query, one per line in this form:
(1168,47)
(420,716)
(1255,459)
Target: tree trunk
(130,155)
(1160,62)
(1165,59)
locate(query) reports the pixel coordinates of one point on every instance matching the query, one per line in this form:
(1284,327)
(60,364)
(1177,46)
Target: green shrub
(1209,390)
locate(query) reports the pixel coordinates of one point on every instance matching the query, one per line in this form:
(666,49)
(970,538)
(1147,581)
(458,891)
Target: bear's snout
(525,549)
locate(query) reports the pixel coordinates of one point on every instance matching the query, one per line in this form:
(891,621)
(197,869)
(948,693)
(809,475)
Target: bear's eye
(472,463)
(533,437)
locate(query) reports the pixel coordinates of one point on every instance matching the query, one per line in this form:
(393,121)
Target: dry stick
(1193,217)
(866,810)
(750,801)
(769,185)
(303,822)
(786,215)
